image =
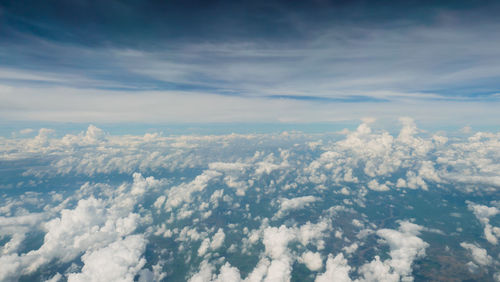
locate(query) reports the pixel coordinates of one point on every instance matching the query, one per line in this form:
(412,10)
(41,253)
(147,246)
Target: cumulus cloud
(312,260)
(275,263)
(119,261)
(483,214)
(268,165)
(478,254)
(405,247)
(337,269)
(94,223)
(351,248)
(372,158)
(205,273)
(17,227)
(286,205)
(88,226)
(377,270)
(182,193)
(276,242)
(214,244)
(374,185)
(208,191)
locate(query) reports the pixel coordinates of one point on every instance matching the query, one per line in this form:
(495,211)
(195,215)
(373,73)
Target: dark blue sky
(295,53)
(152,24)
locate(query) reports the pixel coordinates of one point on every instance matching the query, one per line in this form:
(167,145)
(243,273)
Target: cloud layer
(360,205)
(253,61)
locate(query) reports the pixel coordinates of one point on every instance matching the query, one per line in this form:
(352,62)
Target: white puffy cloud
(478,254)
(17,227)
(228,273)
(364,156)
(312,260)
(483,214)
(233,172)
(218,239)
(228,167)
(377,155)
(268,165)
(351,248)
(94,223)
(404,246)
(57,277)
(119,261)
(90,225)
(374,185)
(287,205)
(276,261)
(337,269)
(276,243)
(204,175)
(205,273)
(205,244)
(182,193)
(214,244)
(377,270)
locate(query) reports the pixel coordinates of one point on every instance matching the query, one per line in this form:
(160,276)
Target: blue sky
(249,61)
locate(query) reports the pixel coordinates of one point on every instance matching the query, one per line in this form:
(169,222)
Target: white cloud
(55,278)
(267,165)
(206,172)
(182,193)
(94,223)
(287,205)
(259,272)
(483,214)
(405,247)
(214,244)
(89,225)
(365,156)
(374,185)
(223,167)
(276,241)
(312,260)
(478,254)
(377,270)
(119,261)
(218,239)
(228,274)
(205,244)
(204,275)
(17,227)
(337,269)
(26,131)
(351,248)
(276,261)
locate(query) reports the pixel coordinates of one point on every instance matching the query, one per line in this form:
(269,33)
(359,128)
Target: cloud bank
(360,205)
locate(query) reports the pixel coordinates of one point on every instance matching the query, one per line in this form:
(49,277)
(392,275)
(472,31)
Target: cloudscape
(249,140)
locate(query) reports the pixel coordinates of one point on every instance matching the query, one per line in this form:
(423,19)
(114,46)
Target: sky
(221,140)
(160,62)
